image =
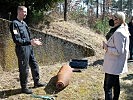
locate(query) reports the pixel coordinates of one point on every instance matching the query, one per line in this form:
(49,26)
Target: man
(130,26)
(24,51)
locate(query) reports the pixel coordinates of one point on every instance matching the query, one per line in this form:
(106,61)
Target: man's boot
(26,90)
(38,84)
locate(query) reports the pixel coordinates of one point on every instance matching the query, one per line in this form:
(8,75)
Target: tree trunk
(65,11)
(103,9)
(97,8)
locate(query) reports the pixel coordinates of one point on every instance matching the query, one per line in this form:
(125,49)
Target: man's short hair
(21,8)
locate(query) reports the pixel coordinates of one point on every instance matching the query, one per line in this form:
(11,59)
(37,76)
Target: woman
(115,59)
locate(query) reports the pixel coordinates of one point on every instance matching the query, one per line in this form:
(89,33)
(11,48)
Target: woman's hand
(105,46)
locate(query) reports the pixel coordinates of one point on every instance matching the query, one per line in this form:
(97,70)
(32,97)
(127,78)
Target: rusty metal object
(63,77)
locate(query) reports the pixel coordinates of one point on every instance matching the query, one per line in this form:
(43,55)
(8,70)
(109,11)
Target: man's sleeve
(17,36)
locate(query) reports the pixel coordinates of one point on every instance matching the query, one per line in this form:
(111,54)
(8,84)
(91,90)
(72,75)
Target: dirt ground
(84,85)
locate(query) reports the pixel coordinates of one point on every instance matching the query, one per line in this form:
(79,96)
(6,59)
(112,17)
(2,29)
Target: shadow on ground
(128,86)
(51,86)
(7,93)
(97,62)
(100,62)
(130,61)
(128,77)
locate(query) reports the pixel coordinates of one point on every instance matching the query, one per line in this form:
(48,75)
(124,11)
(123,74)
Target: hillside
(85,85)
(77,34)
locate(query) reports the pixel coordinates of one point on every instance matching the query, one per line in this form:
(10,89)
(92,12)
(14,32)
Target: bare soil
(84,85)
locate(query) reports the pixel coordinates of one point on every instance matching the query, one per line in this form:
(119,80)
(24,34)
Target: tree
(97,2)
(65,11)
(38,5)
(103,9)
(129,12)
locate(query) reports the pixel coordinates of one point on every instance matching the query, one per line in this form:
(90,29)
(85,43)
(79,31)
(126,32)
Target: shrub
(102,26)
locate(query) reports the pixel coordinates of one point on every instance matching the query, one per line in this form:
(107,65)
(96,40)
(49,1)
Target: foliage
(79,16)
(43,4)
(40,20)
(102,26)
(88,1)
(99,25)
(37,16)
(37,5)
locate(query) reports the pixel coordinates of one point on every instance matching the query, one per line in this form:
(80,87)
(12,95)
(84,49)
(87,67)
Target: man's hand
(35,42)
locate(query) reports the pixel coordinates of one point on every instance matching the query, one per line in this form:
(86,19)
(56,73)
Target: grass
(85,85)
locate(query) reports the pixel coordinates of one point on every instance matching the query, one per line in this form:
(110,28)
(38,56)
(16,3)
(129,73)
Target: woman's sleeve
(119,44)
